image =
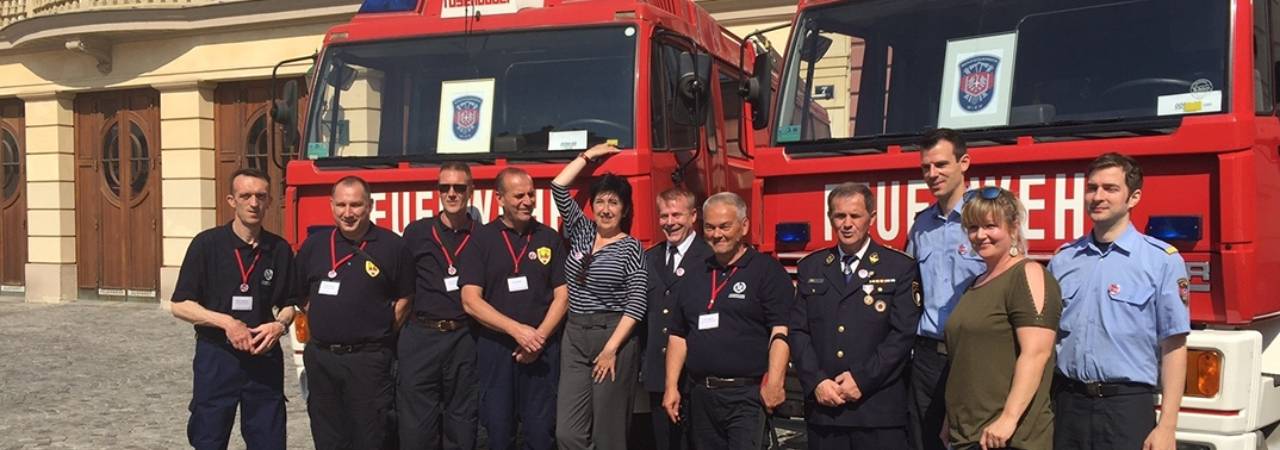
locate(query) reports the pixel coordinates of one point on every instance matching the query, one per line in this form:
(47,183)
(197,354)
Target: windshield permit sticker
(461,8)
(567,140)
(788,133)
(317,150)
(1189,103)
(978,81)
(466,116)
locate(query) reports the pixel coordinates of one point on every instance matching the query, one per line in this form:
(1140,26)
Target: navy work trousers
(224,378)
(511,392)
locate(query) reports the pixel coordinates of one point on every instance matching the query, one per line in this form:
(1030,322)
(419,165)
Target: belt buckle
(1093,389)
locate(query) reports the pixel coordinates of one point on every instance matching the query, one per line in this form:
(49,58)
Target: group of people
(422,338)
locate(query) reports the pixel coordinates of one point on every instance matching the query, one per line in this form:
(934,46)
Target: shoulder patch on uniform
(1171,249)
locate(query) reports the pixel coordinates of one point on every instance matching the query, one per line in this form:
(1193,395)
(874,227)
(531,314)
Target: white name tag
(517,284)
(329,287)
(709,321)
(451,284)
(241,303)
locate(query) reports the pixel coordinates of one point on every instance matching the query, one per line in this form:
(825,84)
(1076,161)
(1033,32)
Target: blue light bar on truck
(1174,228)
(380,6)
(792,233)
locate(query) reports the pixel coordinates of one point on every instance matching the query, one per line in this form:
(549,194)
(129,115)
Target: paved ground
(102,375)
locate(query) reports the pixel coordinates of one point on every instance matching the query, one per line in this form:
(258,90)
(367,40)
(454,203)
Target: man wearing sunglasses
(437,394)
(948,265)
(1124,323)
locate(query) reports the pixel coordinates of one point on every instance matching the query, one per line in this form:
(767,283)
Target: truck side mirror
(758,91)
(693,88)
(816,49)
(284,111)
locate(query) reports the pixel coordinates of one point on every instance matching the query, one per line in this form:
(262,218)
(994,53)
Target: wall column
(187,162)
(51,197)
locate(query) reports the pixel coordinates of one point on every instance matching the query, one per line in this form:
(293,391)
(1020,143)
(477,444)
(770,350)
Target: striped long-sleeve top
(615,278)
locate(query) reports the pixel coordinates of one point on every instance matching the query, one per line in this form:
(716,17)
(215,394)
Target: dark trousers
(351,396)
(927,393)
(437,394)
(668,435)
(224,378)
(511,391)
(1120,422)
(726,418)
(590,414)
(822,437)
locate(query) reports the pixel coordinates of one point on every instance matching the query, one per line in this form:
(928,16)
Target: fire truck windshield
(524,92)
(887,70)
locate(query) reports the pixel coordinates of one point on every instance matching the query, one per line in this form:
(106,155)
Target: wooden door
(244,139)
(118,192)
(13,186)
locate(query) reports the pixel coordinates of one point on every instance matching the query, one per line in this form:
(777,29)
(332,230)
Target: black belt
(1100,389)
(348,348)
(443,325)
(931,344)
(720,383)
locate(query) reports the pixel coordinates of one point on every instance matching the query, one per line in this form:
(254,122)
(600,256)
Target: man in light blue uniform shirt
(1124,323)
(947,267)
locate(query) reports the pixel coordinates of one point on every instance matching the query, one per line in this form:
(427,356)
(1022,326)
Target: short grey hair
(850,189)
(726,198)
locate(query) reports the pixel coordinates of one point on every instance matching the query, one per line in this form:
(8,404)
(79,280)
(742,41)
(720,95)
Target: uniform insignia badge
(867,289)
(544,255)
(863,273)
(1113,289)
(873,258)
(962,250)
(881,306)
(1171,250)
(371,269)
(915,293)
(679,271)
(868,299)
(830,258)
(1184,290)
(267,274)
(466,117)
(739,287)
(533,255)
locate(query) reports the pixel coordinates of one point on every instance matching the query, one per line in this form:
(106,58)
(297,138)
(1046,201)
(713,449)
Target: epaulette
(909,257)
(1063,247)
(1162,245)
(830,253)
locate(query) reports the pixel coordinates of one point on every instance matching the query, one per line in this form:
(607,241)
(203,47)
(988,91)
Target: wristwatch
(286,327)
(584,157)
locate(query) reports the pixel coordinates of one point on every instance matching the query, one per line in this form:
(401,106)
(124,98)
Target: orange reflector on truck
(1204,373)
(302,331)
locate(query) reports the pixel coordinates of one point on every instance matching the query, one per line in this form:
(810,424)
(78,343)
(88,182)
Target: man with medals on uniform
(235,287)
(1124,323)
(853,326)
(358,279)
(728,334)
(437,393)
(513,284)
(667,263)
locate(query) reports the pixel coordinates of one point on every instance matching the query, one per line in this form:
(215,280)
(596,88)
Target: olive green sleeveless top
(982,347)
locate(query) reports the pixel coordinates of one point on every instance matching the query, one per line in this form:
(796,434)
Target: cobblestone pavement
(107,375)
(103,375)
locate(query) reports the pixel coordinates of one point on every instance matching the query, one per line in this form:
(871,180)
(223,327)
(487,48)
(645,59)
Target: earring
(1013,251)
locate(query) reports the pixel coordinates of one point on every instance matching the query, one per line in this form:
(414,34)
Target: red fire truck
(1041,87)
(408,84)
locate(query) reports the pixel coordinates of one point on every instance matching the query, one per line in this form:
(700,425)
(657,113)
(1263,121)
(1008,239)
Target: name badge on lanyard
(710,320)
(329,288)
(242,303)
(516,282)
(451,284)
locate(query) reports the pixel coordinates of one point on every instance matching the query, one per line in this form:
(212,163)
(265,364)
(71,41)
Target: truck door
(731,167)
(680,154)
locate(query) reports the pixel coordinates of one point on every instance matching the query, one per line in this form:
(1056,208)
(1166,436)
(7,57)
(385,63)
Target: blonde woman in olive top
(1000,336)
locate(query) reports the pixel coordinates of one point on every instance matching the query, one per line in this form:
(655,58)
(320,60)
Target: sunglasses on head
(445,188)
(986,192)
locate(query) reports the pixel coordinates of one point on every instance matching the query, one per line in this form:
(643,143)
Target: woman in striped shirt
(600,356)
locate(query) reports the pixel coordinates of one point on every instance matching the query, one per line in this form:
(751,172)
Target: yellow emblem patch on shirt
(544,255)
(1171,250)
(371,269)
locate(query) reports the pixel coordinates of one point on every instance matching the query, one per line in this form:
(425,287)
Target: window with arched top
(10,165)
(111,159)
(257,146)
(139,159)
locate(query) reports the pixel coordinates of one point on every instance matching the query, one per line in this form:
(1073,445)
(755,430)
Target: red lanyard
(244,274)
(515,257)
(448,256)
(333,253)
(717,287)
